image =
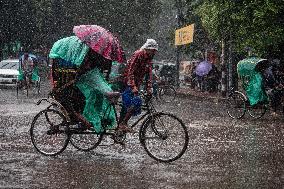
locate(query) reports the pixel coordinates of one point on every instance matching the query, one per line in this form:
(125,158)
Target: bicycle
(27,83)
(238,105)
(55,124)
(167,92)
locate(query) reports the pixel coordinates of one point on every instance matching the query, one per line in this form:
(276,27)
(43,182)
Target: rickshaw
(29,79)
(253,97)
(163,135)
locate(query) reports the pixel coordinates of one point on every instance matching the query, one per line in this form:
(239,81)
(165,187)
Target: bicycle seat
(113,97)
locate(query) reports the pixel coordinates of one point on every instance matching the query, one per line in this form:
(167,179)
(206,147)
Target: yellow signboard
(184,35)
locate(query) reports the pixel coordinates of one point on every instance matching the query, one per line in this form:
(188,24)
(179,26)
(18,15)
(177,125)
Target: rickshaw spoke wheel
(167,93)
(164,137)
(236,105)
(257,111)
(86,141)
(49,132)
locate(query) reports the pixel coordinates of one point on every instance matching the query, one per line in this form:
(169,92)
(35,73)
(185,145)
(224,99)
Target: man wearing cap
(139,65)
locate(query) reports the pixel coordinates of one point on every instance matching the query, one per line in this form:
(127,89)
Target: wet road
(222,153)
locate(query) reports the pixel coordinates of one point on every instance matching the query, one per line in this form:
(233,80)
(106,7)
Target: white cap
(150,44)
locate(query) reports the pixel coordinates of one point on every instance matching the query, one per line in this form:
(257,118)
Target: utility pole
(230,66)
(230,54)
(223,70)
(178,48)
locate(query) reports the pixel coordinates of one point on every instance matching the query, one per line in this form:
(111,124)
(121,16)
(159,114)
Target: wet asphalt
(222,152)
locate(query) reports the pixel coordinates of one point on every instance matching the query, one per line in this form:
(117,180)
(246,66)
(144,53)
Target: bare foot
(87,124)
(125,128)
(274,114)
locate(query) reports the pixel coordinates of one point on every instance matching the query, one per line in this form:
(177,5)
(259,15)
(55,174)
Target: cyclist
(139,65)
(273,85)
(27,66)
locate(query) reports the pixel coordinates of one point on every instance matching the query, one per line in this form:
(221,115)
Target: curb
(184,93)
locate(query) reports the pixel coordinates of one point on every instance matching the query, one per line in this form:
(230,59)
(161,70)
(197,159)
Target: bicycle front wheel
(167,93)
(164,137)
(236,105)
(257,111)
(49,132)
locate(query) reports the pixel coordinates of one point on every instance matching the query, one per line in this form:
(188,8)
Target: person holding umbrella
(92,51)
(139,66)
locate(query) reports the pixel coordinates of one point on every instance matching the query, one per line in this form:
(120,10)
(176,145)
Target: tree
(251,23)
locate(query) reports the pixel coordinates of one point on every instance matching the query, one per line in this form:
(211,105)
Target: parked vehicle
(254,99)
(9,71)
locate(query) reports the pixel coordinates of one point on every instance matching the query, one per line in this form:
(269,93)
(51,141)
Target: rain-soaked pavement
(222,153)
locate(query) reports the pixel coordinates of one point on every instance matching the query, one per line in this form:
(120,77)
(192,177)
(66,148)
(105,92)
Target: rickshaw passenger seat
(62,72)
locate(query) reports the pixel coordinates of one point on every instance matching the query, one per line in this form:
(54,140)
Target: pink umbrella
(101,41)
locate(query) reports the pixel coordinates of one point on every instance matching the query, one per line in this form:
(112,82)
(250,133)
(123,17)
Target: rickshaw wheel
(257,111)
(236,105)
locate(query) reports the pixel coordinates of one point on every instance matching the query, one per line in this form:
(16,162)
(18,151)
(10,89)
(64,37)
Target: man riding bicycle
(27,65)
(139,66)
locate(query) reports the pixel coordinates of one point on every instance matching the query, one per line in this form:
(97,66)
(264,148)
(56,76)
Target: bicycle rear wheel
(86,141)
(164,137)
(49,132)
(236,105)
(167,93)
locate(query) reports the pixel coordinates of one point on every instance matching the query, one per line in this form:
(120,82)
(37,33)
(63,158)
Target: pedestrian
(139,66)
(27,63)
(212,79)
(26,69)
(273,85)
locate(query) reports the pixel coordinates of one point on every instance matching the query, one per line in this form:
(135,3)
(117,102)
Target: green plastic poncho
(21,74)
(92,84)
(96,102)
(71,49)
(35,74)
(252,80)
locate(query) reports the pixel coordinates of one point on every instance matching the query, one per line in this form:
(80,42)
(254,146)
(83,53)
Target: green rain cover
(35,74)
(71,49)
(252,80)
(92,84)
(96,102)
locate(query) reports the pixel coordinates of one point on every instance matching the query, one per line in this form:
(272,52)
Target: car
(9,71)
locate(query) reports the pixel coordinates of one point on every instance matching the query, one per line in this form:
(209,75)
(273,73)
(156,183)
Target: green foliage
(251,23)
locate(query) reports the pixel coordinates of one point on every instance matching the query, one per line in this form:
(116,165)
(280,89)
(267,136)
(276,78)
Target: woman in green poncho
(90,85)
(90,80)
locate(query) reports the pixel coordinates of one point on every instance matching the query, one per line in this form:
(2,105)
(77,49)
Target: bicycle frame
(148,107)
(153,130)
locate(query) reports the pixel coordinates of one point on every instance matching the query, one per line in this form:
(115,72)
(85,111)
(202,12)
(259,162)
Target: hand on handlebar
(279,87)
(135,91)
(149,92)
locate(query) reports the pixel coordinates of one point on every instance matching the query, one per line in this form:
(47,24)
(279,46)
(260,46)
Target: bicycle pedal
(119,138)
(119,142)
